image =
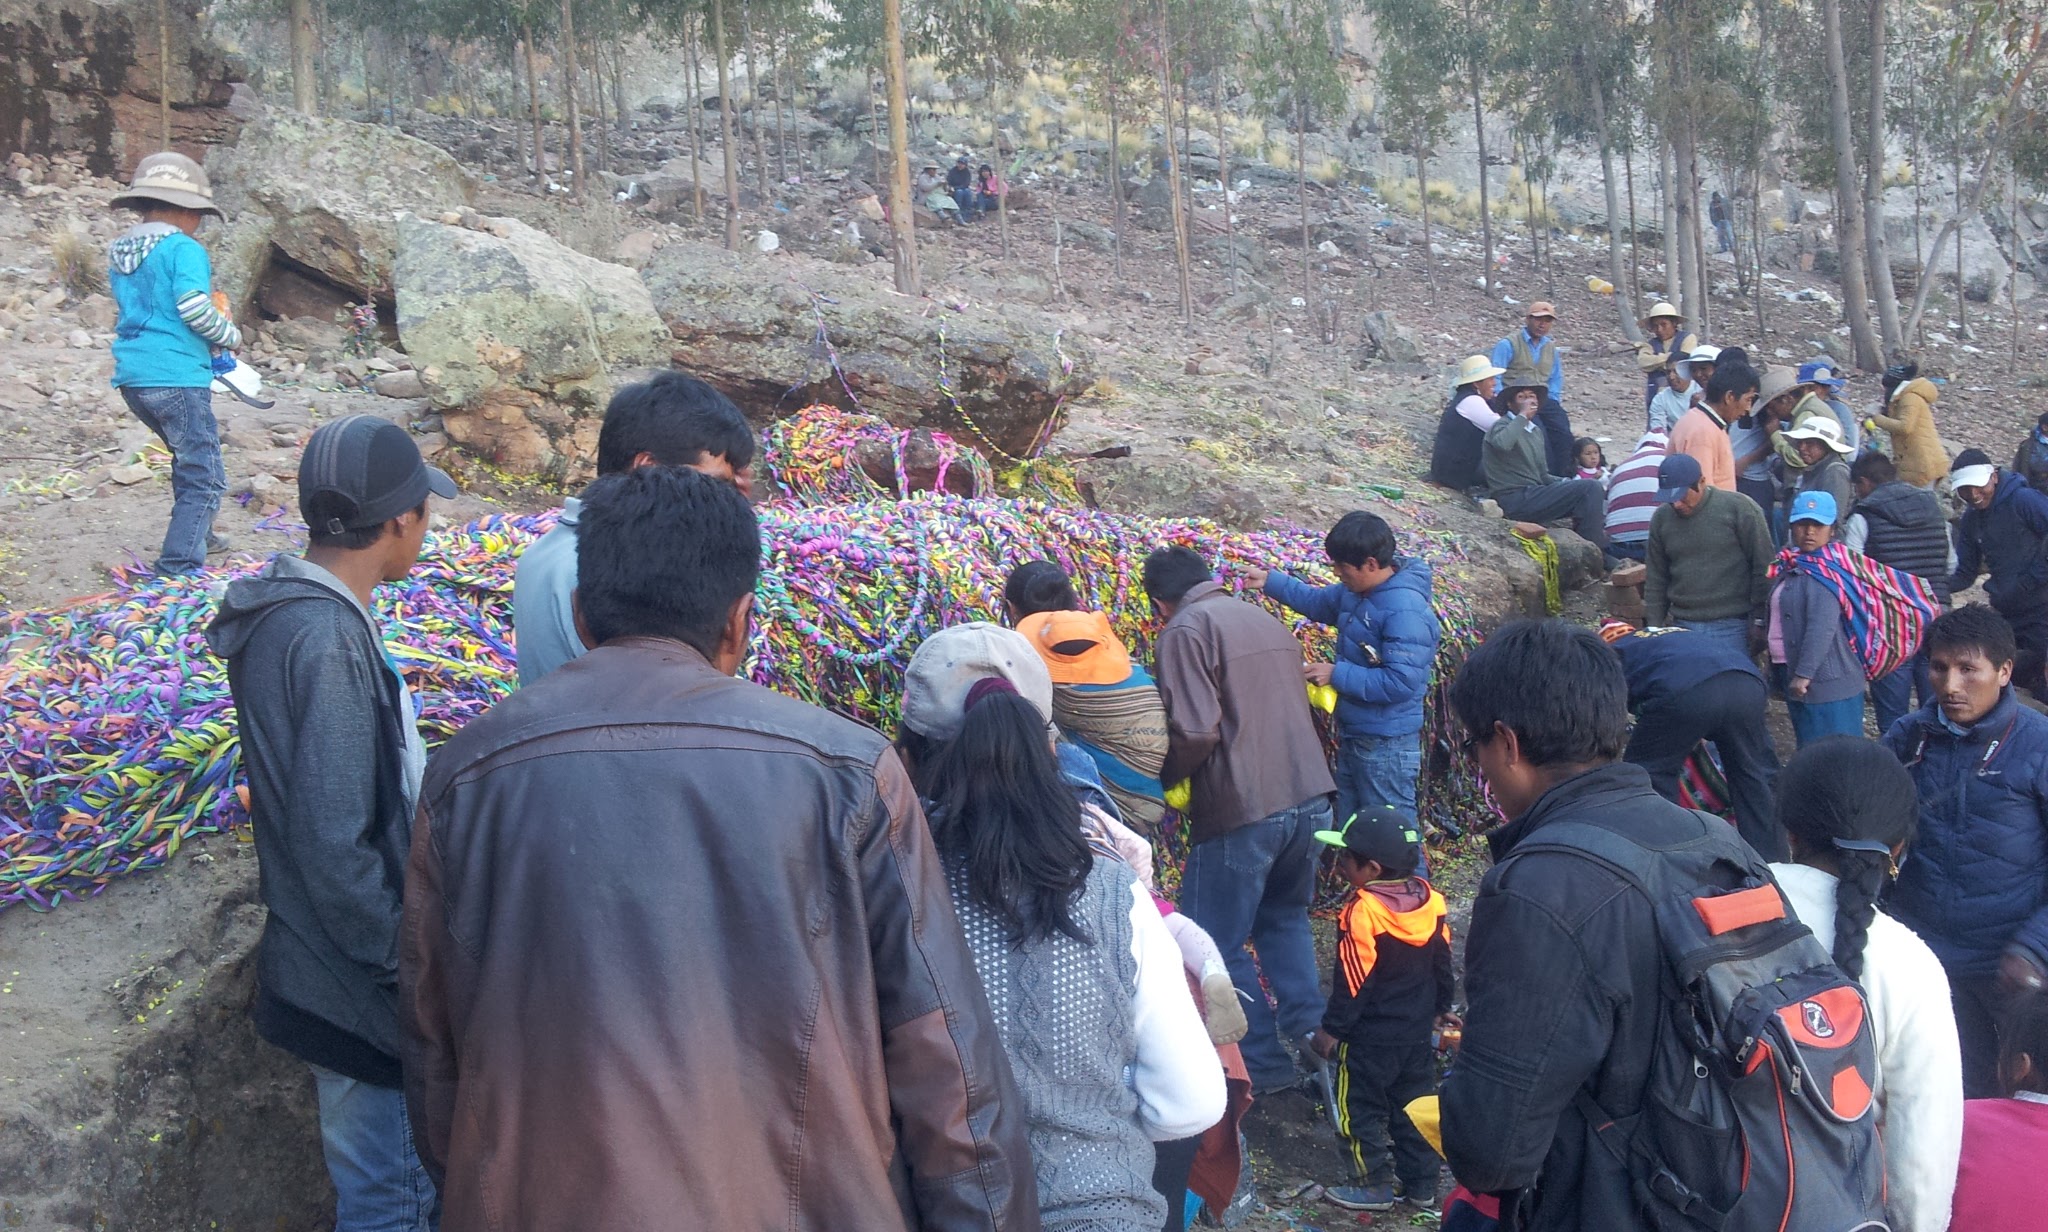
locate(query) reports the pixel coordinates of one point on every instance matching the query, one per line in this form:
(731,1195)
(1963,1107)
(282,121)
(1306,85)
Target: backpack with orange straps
(1759,1115)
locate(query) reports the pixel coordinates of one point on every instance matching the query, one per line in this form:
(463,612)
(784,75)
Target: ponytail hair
(1850,799)
(999,805)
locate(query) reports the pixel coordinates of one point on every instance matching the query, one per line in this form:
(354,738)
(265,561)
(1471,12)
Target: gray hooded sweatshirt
(333,756)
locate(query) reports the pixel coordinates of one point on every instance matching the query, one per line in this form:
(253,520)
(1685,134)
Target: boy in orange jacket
(1392,984)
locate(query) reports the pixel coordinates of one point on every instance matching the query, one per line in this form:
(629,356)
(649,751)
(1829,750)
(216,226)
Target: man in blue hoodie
(165,338)
(1384,612)
(1976,887)
(2004,532)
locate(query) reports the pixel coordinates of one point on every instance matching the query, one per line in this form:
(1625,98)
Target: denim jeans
(182,419)
(1373,770)
(1255,884)
(1892,695)
(1733,633)
(1812,720)
(379,1185)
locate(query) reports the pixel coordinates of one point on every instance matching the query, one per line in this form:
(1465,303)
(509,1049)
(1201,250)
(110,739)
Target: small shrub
(80,265)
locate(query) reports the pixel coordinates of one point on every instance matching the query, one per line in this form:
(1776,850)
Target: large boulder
(325,195)
(512,335)
(751,325)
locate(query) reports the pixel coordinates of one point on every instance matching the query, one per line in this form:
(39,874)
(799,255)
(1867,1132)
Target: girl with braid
(1849,810)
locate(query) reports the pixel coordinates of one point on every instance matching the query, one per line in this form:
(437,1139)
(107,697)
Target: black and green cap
(1381,833)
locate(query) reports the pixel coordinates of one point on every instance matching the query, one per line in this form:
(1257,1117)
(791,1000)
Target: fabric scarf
(1886,611)
(1544,552)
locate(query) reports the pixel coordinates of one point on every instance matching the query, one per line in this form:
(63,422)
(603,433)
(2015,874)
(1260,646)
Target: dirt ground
(76,508)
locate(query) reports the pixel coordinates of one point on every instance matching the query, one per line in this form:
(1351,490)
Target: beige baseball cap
(172,179)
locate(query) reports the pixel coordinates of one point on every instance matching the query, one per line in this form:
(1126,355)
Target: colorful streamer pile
(121,735)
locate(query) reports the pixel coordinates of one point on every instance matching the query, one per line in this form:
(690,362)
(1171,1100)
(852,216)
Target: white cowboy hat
(1475,368)
(1826,431)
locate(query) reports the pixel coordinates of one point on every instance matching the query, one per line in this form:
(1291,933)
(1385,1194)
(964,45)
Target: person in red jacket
(2001,1183)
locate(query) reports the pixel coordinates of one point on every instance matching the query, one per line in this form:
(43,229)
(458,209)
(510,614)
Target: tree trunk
(692,50)
(323,58)
(1485,207)
(726,138)
(1635,242)
(1180,221)
(1598,98)
(1849,200)
(781,133)
(621,117)
(1308,268)
(995,156)
(520,135)
(1422,178)
(305,80)
(1667,206)
(1691,264)
(754,101)
(604,148)
(875,136)
(1223,177)
(1875,239)
(569,71)
(540,157)
(1116,185)
(904,225)
(163,73)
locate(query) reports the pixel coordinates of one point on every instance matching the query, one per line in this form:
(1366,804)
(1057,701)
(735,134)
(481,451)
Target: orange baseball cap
(1078,647)
(1542,308)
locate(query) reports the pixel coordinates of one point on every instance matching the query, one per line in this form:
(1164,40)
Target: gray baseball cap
(374,466)
(949,663)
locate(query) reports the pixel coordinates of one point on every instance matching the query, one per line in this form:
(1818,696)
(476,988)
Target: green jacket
(1515,457)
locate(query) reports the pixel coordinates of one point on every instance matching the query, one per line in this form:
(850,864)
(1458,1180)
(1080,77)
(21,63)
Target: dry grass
(80,264)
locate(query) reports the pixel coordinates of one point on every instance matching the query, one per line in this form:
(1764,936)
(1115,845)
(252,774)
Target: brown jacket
(678,953)
(1237,713)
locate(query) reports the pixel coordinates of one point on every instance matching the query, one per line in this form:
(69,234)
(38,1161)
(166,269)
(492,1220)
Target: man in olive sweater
(1709,555)
(1518,481)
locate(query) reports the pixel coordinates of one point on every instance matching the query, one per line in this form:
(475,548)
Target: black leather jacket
(678,952)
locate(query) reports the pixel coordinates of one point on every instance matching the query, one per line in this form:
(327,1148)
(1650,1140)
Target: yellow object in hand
(1178,796)
(1323,697)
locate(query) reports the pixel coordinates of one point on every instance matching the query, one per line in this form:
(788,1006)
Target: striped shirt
(1632,491)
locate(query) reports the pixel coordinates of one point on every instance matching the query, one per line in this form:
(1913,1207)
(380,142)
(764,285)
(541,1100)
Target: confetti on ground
(122,737)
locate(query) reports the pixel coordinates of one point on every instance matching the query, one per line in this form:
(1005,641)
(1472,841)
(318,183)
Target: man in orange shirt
(1702,432)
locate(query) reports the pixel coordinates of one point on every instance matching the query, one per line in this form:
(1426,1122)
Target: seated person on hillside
(1632,497)
(1456,458)
(960,182)
(989,189)
(1526,491)
(1103,704)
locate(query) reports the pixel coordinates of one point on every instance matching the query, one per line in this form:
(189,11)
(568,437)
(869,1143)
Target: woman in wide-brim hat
(1668,337)
(1456,456)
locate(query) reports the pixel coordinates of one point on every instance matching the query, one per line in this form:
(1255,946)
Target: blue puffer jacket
(1397,621)
(2010,542)
(1976,879)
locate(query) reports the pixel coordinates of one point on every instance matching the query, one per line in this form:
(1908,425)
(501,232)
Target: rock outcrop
(323,196)
(769,330)
(513,335)
(86,75)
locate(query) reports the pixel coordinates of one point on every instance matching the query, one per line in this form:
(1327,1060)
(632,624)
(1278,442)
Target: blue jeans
(379,1185)
(1255,884)
(1724,231)
(1374,770)
(1812,720)
(1733,634)
(182,419)
(1892,695)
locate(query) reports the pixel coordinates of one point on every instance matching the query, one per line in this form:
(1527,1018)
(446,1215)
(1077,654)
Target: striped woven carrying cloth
(1886,612)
